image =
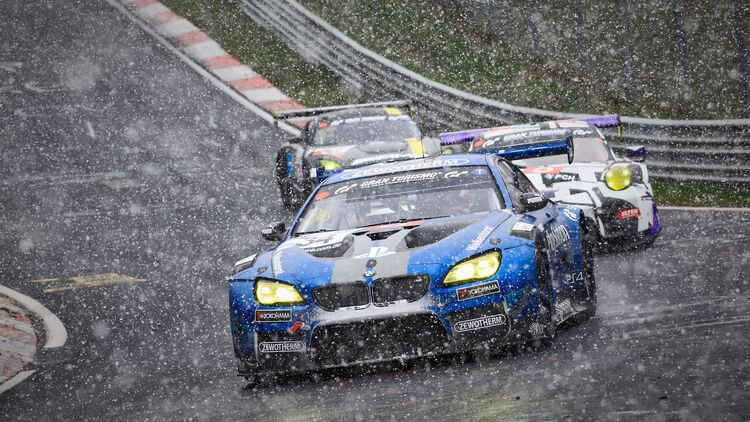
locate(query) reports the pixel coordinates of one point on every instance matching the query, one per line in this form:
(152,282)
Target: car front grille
(408,288)
(389,338)
(335,296)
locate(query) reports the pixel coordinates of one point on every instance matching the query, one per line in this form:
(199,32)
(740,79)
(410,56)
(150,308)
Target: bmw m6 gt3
(420,257)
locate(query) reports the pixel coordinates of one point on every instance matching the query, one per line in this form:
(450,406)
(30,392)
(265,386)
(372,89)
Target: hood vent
(428,234)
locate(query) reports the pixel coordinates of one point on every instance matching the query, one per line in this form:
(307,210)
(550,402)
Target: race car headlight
(618,177)
(330,165)
(269,292)
(479,268)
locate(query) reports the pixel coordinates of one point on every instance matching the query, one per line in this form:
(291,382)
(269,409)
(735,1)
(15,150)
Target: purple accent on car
(638,151)
(452,138)
(656,227)
(603,121)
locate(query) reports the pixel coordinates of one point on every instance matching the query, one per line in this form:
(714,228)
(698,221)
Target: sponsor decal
(316,241)
(481,237)
(572,278)
(562,177)
(345,188)
(278,268)
(581,133)
(570,214)
(545,169)
(479,172)
(281,346)
(557,236)
(629,213)
(534,199)
(323,248)
(322,195)
(451,174)
(564,308)
(281,315)
(376,252)
(536,329)
(520,226)
(389,168)
(479,323)
(534,134)
(485,289)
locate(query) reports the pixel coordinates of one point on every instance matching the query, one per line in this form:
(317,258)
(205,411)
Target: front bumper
(314,338)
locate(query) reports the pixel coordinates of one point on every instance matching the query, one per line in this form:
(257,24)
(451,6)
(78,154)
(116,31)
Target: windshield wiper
(316,231)
(402,220)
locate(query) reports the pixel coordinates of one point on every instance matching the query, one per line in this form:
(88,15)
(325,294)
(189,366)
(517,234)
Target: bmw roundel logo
(369,272)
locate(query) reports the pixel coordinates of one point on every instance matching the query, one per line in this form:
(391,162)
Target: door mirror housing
(274,232)
(636,153)
(533,201)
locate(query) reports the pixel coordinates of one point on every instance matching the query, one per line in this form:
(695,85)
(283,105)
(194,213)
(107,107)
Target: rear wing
(612,120)
(310,112)
(534,149)
(463,136)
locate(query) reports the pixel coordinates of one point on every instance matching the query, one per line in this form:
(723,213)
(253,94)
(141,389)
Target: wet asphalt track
(117,158)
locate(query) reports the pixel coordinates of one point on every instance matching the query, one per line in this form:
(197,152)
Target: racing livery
(614,193)
(345,136)
(419,257)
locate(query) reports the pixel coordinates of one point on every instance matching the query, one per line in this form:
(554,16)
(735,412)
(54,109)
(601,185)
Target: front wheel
(546,308)
(589,294)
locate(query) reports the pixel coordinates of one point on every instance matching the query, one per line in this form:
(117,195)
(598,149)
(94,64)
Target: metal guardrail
(703,150)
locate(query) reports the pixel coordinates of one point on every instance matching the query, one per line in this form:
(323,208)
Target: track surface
(117,158)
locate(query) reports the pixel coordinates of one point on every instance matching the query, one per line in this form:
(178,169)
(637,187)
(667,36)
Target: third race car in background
(346,136)
(614,192)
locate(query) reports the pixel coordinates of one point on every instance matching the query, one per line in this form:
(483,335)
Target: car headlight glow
(329,165)
(618,177)
(479,268)
(269,292)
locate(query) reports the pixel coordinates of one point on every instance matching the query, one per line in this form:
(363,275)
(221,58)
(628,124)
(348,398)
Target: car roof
(361,112)
(440,161)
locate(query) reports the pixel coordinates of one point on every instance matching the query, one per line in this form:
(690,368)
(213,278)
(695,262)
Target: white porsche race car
(614,192)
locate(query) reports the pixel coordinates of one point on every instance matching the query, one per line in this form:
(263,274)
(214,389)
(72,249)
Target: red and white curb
(206,52)
(18,340)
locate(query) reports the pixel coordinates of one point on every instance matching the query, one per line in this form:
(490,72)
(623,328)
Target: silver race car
(614,192)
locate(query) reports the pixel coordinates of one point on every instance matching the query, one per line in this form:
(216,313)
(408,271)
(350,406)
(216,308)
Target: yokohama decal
(283,315)
(478,291)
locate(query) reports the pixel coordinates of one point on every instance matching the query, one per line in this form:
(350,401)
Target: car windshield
(585,150)
(361,130)
(401,197)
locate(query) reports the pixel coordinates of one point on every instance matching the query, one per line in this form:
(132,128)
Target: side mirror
(533,201)
(636,153)
(275,231)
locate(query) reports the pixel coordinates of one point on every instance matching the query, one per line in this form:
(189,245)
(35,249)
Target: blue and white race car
(420,257)
(614,192)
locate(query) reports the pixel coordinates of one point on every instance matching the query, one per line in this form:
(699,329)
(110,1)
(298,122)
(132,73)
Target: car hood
(390,250)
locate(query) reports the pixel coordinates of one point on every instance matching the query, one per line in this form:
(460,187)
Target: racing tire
(289,195)
(589,295)
(546,308)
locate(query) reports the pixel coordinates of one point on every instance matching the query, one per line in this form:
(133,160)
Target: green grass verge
(224,21)
(699,194)
(421,36)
